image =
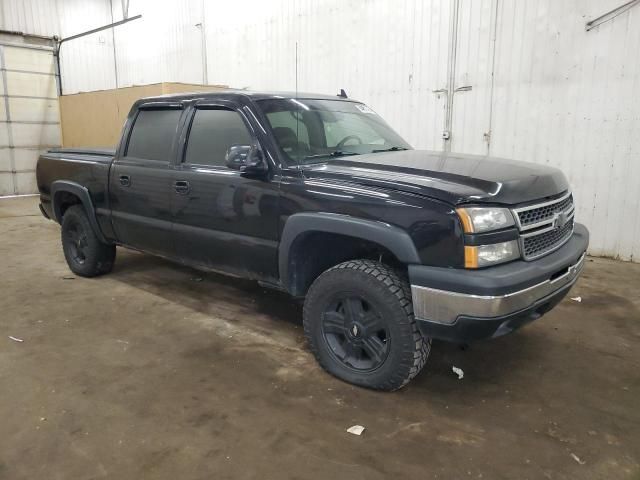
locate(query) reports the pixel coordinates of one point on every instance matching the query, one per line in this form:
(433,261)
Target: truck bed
(86,167)
(106,152)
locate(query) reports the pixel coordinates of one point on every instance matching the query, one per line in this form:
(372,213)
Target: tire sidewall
(75,216)
(399,360)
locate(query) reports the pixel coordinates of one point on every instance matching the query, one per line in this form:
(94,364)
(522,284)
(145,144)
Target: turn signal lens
(470,257)
(486,255)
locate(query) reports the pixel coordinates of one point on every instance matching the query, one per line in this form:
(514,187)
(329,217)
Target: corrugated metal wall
(530,83)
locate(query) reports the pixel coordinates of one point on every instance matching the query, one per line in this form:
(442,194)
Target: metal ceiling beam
(99,29)
(610,15)
(56,52)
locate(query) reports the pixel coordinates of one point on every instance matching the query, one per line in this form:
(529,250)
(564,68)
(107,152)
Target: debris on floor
(197,279)
(577,459)
(459,372)
(356,429)
(576,299)
(16,339)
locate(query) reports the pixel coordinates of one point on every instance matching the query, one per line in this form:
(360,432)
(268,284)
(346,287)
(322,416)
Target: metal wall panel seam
(27,46)
(13,70)
(451,62)
(12,162)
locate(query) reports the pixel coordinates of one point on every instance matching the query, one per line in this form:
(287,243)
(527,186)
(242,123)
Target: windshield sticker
(364,109)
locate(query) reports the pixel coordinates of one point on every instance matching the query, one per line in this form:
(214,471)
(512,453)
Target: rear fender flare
(60,186)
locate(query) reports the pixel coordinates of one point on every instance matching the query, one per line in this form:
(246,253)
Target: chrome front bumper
(445,307)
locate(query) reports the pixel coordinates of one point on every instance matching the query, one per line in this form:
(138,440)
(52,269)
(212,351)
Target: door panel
(227,222)
(140,185)
(141,210)
(223,220)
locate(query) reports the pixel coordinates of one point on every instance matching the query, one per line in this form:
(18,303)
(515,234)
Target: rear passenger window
(153,133)
(212,133)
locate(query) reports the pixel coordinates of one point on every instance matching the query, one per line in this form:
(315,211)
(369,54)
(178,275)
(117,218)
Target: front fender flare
(394,239)
(82,193)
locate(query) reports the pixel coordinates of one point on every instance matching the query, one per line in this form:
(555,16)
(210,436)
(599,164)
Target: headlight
(484,219)
(485,255)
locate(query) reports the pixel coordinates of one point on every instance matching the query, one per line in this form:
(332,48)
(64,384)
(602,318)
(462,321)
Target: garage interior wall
(523,80)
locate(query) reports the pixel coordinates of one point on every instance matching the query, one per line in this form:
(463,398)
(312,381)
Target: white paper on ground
(356,429)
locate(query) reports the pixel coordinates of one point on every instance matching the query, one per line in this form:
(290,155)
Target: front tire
(86,255)
(358,320)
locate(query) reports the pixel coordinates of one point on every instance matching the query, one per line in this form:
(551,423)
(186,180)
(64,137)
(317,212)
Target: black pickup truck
(315,195)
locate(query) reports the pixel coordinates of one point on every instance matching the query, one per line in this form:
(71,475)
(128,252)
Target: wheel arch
(64,193)
(328,231)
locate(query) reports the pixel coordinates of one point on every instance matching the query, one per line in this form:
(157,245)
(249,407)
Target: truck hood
(450,177)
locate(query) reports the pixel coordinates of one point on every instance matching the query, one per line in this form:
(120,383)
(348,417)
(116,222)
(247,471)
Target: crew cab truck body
(317,196)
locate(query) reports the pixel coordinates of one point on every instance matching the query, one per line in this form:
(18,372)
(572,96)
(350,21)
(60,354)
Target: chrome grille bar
(545,226)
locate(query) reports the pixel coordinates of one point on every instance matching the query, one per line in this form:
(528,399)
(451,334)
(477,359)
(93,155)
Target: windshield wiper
(392,149)
(335,153)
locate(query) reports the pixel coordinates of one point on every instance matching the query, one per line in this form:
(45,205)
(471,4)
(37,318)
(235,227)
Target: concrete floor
(158,371)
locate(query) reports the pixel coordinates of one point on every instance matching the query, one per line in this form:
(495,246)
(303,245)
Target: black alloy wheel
(355,333)
(358,320)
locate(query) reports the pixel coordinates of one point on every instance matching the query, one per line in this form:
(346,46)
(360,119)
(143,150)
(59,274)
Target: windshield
(318,130)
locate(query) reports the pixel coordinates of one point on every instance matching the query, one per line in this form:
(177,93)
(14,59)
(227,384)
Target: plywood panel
(175,87)
(82,127)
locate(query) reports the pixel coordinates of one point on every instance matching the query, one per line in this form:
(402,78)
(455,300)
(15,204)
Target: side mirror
(246,158)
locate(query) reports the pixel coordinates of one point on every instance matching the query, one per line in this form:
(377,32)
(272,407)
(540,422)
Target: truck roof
(231,93)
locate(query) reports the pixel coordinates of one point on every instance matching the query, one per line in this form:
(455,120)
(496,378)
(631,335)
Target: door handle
(125,180)
(182,187)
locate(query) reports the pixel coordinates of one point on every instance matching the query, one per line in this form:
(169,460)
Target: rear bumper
(465,305)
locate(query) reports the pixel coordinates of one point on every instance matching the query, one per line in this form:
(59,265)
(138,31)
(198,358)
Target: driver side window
(291,132)
(212,132)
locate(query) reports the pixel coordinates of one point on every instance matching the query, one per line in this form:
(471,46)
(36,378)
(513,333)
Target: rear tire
(358,320)
(86,255)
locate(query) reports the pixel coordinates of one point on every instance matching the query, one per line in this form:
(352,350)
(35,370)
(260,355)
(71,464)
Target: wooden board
(96,118)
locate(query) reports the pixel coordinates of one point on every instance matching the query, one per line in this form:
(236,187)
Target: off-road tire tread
(101,255)
(396,283)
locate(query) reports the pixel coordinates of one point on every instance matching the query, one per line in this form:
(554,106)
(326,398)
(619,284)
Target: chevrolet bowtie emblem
(560,219)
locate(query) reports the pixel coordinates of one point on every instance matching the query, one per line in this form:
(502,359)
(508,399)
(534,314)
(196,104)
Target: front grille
(544,227)
(546,212)
(537,245)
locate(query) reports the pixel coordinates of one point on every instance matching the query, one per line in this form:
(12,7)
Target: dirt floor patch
(147,373)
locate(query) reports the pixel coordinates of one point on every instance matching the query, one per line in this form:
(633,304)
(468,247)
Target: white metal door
(29,114)
(472,78)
